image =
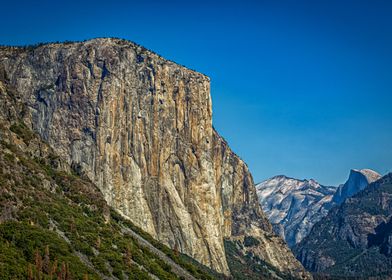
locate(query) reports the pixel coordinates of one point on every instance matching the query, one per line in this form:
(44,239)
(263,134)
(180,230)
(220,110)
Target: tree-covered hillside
(354,240)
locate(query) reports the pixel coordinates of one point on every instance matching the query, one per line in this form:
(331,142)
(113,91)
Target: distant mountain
(356,182)
(354,239)
(293,206)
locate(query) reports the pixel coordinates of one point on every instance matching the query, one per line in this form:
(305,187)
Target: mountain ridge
(140,127)
(126,41)
(353,240)
(293,205)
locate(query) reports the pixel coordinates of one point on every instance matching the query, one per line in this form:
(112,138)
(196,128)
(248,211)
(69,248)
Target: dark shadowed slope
(354,239)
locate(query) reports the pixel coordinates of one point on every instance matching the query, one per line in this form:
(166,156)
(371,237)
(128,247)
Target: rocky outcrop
(357,181)
(140,127)
(242,214)
(294,206)
(354,239)
(46,207)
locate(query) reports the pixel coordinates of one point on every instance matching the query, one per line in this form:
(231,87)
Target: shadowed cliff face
(140,127)
(357,181)
(354,239)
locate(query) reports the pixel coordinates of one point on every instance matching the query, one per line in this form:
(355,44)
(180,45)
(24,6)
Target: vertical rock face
(294,206)
(356,182)
(241,213)
(140,127)
(354,239)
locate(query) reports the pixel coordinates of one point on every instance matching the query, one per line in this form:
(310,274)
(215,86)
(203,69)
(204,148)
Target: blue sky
(301,88)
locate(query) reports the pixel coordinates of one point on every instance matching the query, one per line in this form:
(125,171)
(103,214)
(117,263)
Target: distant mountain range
(354,239)
(293,206)
(343,231)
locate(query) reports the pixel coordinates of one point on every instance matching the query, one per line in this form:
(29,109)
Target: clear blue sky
(302,88)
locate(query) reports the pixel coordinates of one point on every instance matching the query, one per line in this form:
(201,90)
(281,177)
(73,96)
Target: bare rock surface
(354,239)
(357,181)
(140,127)
(293,206)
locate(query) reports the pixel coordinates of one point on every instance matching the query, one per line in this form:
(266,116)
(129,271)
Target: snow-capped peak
(293,205)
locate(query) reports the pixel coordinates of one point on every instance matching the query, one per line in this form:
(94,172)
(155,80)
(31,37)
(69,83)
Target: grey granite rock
(140,127)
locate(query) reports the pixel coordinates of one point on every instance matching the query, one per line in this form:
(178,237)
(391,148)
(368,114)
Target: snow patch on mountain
(293,206)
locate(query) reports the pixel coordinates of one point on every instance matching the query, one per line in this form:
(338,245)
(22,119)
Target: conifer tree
(46,261)
(38,264)
(30,275)
(128,256)
(54,268)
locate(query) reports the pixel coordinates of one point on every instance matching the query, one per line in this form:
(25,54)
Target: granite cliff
(357,181)
(55,224)
(354,239)
(140,128)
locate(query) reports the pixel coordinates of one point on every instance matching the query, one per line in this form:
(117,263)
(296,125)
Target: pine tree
(175,249)
(46,261)
(128,256)
(54,268)
(62,272)
(72,225)
(98,243)
(30,275)
(67,273)
(38,264)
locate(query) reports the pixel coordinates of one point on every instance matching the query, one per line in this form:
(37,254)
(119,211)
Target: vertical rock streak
(140,127)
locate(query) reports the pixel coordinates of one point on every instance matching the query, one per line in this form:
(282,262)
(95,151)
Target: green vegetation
(249,266)
(369,263)
(22,247)
(250,241)
(22,131)
(353,261)
(56,225)
(196,269)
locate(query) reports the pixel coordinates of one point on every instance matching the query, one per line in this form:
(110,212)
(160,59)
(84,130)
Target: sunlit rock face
(357,181)
(140,127)
(293,206)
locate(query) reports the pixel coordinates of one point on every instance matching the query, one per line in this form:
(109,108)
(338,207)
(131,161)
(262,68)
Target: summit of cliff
(357,181)
(139,127)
